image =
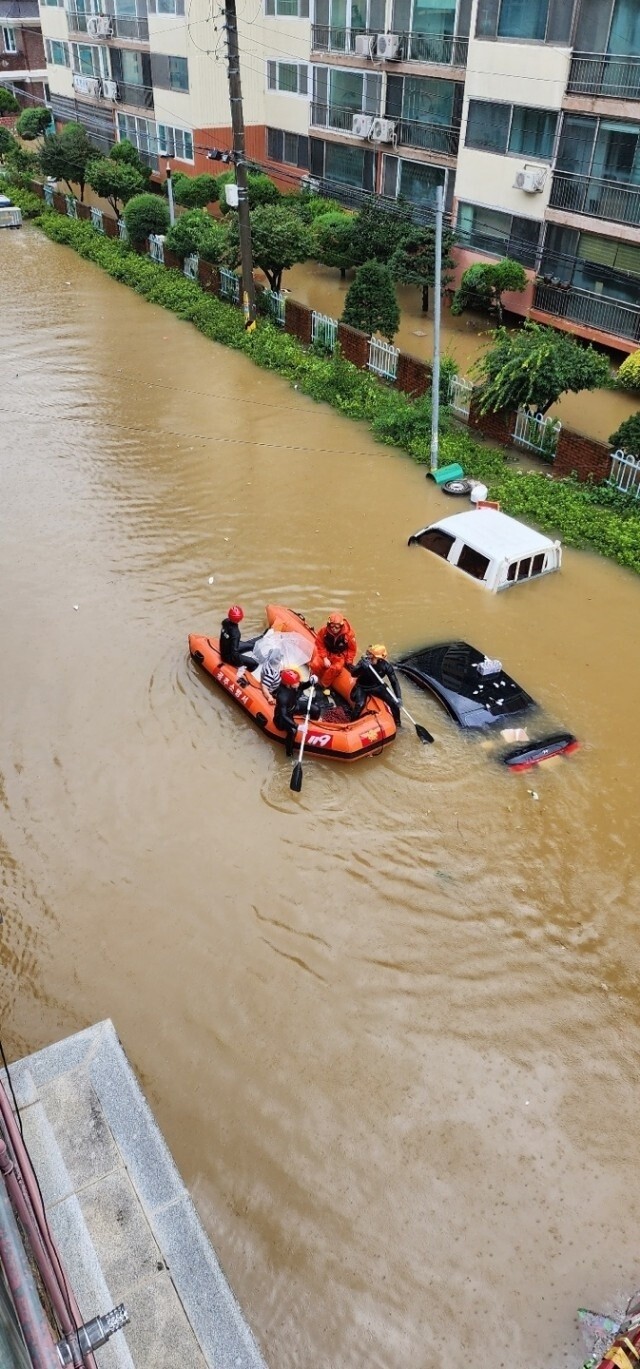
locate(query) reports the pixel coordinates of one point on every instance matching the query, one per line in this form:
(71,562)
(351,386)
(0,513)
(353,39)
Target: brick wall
(582,456)
(209,277)
(496,427)
(413,375)
(297,320)
(59,202)
(83,211)
(110,226)
(354,345)
(171,261)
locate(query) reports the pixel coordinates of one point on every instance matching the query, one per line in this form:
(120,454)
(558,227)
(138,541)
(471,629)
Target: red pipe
(29,1309)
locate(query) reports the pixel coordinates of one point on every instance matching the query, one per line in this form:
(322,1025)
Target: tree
(32,123)
(8,102)
(629,374)
(377,233)
(627,436)
(483,284)
(371,303)
(279,241)
(414,260)
(196,231)
(7,143)
(116,182)
(195,192)
(261,189)
(534,367)
(332,237)
(143,215)
(66,155)
(124,151)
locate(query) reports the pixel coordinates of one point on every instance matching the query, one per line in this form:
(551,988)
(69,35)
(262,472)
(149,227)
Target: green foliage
(143,215)
(332,240)
(371,302)
(628,377)
(627,436)
(261,189)
(66,155)
(23,164)
(377,233)
(114,181)
(413,261)
(279,240)
(32,123)
(195,192)
(536,365)
(196,231)
(310,207)
(483,285)
(125,151)
(30,204)
(8,102)
(7,142)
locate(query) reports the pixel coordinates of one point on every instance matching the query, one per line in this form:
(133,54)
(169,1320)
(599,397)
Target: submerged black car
(478,693)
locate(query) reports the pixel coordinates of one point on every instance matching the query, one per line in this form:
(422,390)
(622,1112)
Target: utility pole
(237,126)
(437,301)
(172,209)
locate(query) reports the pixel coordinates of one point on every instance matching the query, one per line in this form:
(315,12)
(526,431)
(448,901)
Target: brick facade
(297,320)
(354,345)
(209,277)
(413,375)
(581,456)
(496,427)
(83,210)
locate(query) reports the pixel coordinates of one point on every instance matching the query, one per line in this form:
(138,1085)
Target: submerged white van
(491,547)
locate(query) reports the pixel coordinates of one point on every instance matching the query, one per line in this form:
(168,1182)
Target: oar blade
(295,782)
(421,732)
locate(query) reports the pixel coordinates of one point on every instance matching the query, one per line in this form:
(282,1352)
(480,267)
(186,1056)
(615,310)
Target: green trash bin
(444,473)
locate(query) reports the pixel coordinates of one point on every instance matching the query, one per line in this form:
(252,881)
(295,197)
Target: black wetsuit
(232,650)
(366,685)
(287,699)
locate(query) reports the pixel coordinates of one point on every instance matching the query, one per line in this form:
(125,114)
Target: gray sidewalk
(121,1216)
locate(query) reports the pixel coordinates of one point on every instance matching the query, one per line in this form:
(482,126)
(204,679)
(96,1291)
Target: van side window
(473,562)
(437,540)
(538,564)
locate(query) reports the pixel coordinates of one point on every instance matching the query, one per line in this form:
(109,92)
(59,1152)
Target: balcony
(600,199)
(408,132)
(129,93)
(21,12)
(444,50)
(615,78)
(592,311)
(107,26)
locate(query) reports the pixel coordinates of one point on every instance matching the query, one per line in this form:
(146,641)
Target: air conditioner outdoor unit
(383,131)
(531,179)
(110,90)
(389,47)
(365,43)
(92,26)
(86,85)
(104,27)
(361,125)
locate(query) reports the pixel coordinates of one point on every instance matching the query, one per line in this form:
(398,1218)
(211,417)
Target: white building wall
(523,73)
(487,178)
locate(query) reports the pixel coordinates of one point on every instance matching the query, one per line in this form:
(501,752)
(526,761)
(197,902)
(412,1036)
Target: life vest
(623,1354)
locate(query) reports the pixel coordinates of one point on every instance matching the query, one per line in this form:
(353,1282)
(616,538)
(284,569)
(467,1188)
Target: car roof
(494,534)
(475,700)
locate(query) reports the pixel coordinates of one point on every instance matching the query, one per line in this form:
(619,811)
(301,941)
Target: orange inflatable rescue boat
(335,734)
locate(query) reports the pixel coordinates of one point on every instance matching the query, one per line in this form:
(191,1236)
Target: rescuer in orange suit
(335,648)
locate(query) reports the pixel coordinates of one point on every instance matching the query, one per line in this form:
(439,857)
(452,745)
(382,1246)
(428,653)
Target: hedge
(583,515)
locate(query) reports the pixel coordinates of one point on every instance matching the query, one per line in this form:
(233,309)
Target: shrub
(66,155)
(32,123)
(261,189)
(143,215)
(332,241)
(371,302)
(629,374)
(124,151)
(194,192)
(377,233)
(413,262)
(196,231)
(7,142)
(627,436)
(8,102)
(535,366)
(483,285)
(24,165)
(30,204)
(115,181)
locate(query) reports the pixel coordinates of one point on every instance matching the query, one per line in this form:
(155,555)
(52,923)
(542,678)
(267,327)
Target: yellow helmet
(379,651)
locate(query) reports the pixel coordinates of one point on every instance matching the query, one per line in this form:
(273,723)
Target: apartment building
(22,63)
(526,112)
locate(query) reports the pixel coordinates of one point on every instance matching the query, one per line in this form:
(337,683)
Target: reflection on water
(390,1026)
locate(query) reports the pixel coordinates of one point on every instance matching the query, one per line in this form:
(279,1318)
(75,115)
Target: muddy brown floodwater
(391,1026)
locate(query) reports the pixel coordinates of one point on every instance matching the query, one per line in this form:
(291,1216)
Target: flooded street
(390,1027)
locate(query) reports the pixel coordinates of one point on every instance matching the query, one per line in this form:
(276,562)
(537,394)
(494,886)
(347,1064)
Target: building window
(339,94)
(178,73)
(90,61)
(499,234)
(539,21)
(601,266)
(141,132)
(56,53)
(287,9)
(9,40)
(175,7)
(493,127)
(175,142)
(289,78)
(414,181)
(291,148)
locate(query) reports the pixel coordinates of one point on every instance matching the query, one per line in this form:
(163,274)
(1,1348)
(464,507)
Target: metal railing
(139,96)
(598,73)
(72,206)
(383,358)
(274,300)
(190,266)
(324,330)
(625,473)
(129,28)
(49,193)
(156,248)
(332,116)
(439,49)
(535,433)
(97,219)
(593,311)
(428,137)
(229,285)
(122,230)
(460,392)
(602,199)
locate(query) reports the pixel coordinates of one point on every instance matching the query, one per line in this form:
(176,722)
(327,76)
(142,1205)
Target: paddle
(295,782)
(421,732)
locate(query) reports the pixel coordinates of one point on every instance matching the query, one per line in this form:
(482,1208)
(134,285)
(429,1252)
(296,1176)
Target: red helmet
(290,677)
(335,620)
(235,614)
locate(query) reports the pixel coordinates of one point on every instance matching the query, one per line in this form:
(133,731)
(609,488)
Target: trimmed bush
(143,215)
(627,436)
(115,181)
(7,142)
(8,102)
(332,241)
(195,192)
(124,151)
(628,377)
(371,303)
(196,231)
(261,189)
(483,285)
(32,123)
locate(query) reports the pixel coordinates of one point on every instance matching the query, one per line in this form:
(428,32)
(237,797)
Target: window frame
(49,45)
(178,89)
(505,250)
(271,10)
(8,31)
(167,146)
(273,66)
(489,16)
(272,136)
(507,151)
